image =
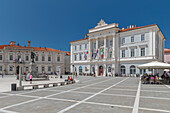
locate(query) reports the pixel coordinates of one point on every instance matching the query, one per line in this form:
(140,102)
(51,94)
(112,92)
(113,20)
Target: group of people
(166,77)
(69,79)
(147,79)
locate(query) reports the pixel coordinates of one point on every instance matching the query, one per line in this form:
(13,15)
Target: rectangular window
(43,68)
(123,40)
(27,58)
(80,47)
(11,57)
(110,54)
(80,56)
(142,51)
(26,69)
(19,57)
(0,68)
(75,48)
(36,58)
(85,46)
(111,43)
(11,68)
(132,52)
(94,45)
(58,58)
(142,37)
(37,69)
(123,53)
(132,39)
(85,57)
(75,57)
(0,57)
(43,58)
(49,58)
(49,68)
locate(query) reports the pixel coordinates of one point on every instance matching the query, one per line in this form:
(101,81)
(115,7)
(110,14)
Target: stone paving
(90,95)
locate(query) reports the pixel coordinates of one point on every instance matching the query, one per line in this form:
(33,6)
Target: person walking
(30,79)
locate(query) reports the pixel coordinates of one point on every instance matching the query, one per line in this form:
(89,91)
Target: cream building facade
(48,60)
(108,50)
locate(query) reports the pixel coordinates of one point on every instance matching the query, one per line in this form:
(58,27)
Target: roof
(35,48)
(79,40)
(128,29)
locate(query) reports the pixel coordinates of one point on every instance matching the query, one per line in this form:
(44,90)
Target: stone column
(104,70)
(89,51)
(113,48)
(105,53)
(96,70)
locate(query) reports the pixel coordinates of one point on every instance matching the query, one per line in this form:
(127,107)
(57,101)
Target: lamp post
(20,82)
(73,71)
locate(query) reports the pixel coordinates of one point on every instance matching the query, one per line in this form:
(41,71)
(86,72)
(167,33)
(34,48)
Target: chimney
(132,26)
(127,27)
(136,26)
(60,49)
(123,28)
(12,43)
(85,36)
(29,43)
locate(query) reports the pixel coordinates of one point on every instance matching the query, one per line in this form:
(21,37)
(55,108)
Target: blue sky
(54,23)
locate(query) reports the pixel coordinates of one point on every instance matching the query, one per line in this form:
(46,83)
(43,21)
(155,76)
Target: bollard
(13,87)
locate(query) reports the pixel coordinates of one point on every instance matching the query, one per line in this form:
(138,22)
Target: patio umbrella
(155,65)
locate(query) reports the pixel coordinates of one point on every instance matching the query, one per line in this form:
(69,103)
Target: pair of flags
(102,54)
(96,53)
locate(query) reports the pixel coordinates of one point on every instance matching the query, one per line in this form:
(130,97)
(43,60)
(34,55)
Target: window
(123,53)
(0,68)
(27,58)
(111,43)
(19,57)
(36,58)
(11,68)
(132,69)
(142,37)
(140,71)
(86,69)
(122,69)
(49,58)
(37,69)
(58,58)
(43,58)
(109,69)
(123,40)
(132,52)
(144,71)
(94,45)
(80,56)
(85,46)
(80,47)
(75,48)
(110,54)
(43,68)
(142,51)
(49,68)
(132,39)
(75,57)
(11,57)
(0,57)
(26,69)
(85,57)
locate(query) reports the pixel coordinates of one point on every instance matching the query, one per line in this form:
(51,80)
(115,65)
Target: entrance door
(17,70)
(80,70)
(100,70)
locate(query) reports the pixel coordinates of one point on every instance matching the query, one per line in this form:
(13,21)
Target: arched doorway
(80,70)
(100,70)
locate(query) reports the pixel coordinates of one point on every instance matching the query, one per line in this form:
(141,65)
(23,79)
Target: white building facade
(108,50)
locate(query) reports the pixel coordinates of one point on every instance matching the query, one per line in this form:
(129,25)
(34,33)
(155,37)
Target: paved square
(90,95)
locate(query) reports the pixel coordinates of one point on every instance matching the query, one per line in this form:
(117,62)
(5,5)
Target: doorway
(100,70)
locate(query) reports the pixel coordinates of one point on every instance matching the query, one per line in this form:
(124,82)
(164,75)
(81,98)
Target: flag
(96,53)
(87,52)
(92,55)
(102,53)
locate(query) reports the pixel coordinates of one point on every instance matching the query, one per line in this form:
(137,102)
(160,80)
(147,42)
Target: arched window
(109,69)
(123,69)
(132,69)
(110,54)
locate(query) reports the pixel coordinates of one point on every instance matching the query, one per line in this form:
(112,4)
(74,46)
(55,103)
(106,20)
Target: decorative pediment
(101,23)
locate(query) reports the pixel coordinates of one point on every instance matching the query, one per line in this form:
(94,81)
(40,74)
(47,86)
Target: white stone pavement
(5,83)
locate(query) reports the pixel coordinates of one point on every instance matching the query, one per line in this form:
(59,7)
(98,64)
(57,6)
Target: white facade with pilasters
(109,50)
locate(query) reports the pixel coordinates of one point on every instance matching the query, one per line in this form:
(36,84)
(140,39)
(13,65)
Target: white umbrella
(155,65)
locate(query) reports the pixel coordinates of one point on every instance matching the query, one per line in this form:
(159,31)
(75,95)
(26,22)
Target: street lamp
(20,81)
(73,72)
